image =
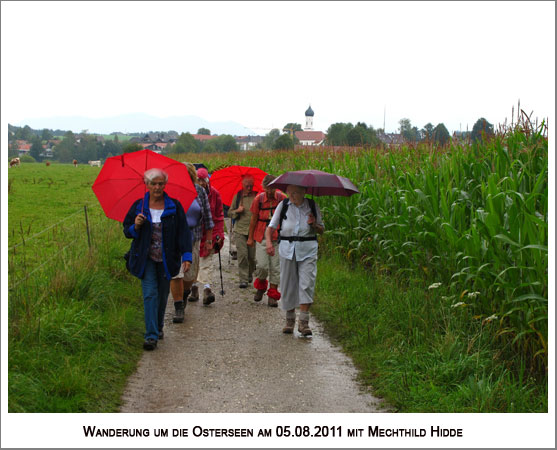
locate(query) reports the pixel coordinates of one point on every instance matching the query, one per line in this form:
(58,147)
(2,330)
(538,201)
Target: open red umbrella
(228,181)
(318,183)
(120,181)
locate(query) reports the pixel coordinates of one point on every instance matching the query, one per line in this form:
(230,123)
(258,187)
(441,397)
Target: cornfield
(470,217)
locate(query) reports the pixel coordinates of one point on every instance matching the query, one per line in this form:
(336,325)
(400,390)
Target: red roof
(23,145)
(316,136)
(203,137)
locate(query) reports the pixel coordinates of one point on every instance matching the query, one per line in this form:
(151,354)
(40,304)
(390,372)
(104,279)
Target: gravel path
(232,357)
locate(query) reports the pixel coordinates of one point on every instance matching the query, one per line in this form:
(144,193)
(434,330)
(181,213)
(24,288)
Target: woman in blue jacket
(161,244)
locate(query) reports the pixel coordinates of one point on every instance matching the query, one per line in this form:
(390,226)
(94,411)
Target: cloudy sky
(262,63)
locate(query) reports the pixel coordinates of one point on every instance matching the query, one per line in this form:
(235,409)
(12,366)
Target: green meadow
(433,278)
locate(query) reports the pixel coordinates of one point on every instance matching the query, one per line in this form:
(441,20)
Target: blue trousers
(155,288)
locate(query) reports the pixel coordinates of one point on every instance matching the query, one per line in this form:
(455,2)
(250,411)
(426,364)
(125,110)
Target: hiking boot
(194,296)
(234,255)
(208,296)
(178,312)
(149,344)
(258,295)
(289,327)
(303,328)
(243,285)
(272,302)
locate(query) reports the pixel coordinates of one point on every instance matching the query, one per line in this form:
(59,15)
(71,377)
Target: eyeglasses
(157,183)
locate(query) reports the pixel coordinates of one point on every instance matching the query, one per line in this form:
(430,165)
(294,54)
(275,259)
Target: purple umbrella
(318,183)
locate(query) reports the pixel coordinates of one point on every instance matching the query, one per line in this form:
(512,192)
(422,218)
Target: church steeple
(309,119)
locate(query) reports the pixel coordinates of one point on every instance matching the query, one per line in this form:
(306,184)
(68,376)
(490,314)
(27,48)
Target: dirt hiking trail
(232,357)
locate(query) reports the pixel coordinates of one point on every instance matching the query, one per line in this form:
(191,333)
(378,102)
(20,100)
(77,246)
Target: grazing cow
(15,162)
(75,162)
(94,163)
(47,163)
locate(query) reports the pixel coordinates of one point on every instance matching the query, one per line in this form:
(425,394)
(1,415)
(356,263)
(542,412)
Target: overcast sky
(262,63)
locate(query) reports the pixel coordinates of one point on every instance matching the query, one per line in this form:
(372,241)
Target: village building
(248,142)
(309,136)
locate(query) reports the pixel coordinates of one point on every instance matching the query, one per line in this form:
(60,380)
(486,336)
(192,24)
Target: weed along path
(232,357)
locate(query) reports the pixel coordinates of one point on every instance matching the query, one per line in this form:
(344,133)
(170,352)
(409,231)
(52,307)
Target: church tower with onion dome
(309,119)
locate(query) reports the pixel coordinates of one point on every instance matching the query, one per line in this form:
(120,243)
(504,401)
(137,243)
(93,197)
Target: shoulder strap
(238,199)
(283,212)
(312,206)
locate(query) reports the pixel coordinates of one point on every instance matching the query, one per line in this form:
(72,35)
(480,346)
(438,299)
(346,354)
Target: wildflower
(434,286)
(473,294)
(490,319)
(456,305)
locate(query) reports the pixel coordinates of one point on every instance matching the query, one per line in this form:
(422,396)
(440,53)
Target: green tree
(186,143)
(480,129)
(36,148)
(441,134)
(130,147)
(408,132)
(427,131)
(204,131)
(226,143)
(291,128)
(270,138)
(46,134)
(337,133)
(13,149)
(283,142)
(110,148)
(65,150)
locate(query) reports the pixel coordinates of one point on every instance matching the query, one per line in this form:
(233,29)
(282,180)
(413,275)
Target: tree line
(86,147)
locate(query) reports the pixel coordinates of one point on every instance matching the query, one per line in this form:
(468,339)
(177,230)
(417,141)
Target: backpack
(282,216)
(271,208)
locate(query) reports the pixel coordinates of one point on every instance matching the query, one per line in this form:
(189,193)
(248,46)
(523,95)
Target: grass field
(75,314)
(433,278)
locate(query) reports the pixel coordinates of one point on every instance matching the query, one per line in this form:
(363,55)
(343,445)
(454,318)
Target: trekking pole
(220,268)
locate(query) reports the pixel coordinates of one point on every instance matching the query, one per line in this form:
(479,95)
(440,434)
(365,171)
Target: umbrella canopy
(318,183)
(228,181)
(120,181)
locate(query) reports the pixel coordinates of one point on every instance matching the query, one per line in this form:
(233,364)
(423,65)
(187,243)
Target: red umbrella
(228,181)
(120,181)
(318,183)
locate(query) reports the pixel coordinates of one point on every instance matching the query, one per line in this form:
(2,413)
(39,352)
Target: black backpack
(282,216)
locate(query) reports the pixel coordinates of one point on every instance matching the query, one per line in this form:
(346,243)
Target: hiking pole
(220,267)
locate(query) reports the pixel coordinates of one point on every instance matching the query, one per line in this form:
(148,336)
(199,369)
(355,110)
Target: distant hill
(136,123)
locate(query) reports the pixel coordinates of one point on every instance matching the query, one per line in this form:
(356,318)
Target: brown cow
(75,162)
(47,163)
(15,162)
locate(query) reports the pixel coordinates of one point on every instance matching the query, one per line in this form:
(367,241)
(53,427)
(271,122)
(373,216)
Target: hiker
(297,248)
(232,251)
(206,255)
(200,221)
(262,210)
(152,222)
(241,213)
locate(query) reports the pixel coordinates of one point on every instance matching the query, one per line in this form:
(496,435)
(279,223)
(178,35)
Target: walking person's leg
(150,291)
(191,275)
(206,264)
(307,273)
(163,288)
(243,259)
(289,288)
(251,262)
(260,283)
(274,277)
